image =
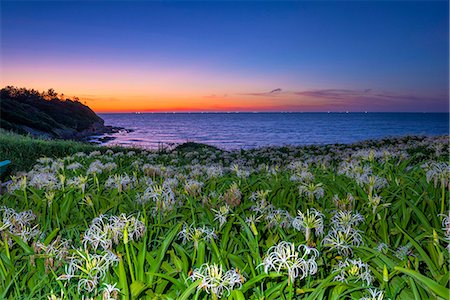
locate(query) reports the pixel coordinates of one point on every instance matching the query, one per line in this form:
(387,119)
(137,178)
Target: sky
(119,56)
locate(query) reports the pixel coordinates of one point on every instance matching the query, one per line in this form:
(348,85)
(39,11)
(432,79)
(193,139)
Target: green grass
(210,213)
(23,151)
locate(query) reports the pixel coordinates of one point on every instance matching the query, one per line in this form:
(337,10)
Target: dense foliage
(23,110)
(23,151)
(363,221)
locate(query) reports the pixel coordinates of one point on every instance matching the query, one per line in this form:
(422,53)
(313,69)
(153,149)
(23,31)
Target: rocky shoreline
(104,135)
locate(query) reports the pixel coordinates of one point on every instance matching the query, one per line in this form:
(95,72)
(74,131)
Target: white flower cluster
(438,172)
(373,294)
(18,224)
(268,212)
(311,190)
(193,187)
(353,270)
(221,214)
(196,234)
(342,235)
(97,167)
(105,231)
(43,180)
(296,262)
(120,182)
(215,280)
(446,227)
(162,196)
(78,182)
(308,221)
(88,268)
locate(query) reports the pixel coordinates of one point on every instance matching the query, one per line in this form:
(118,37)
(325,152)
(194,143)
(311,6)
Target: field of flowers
(363,221)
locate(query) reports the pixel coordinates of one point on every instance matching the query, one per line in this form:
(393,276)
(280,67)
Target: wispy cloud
(273,92)
(214,96)
(371,95)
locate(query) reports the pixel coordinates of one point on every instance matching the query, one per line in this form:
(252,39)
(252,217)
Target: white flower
(311,190)
(346,219)
(297,263)
(403,252)
(88,268)
(196,234)
(312,219)
(342,239)
(19,223)
(110,292)
(215,280)
(74,166)
(221,214)
(438,172)
(105,231)
(353,270)
(373,294)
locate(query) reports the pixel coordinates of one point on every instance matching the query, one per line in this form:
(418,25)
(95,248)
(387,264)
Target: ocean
(250,130)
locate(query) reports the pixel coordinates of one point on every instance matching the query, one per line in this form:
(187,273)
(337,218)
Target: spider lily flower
(403,252)
(152,171)
(344,203)
(74,166)
(278,217)
(96,167)
(311,190)
(214,279)
(120,182)
(342,239)
(43,180)
(193,188)
(373,294)
(162,196)
(312,219)
(296,262)
(346,219)
(110,292)
(105,231)
(79,182)
(262,206)
(438,172)
(88,268)
(17,183)
(18,224)
(260,196)
(382,247)
(196,234)
(446,223)
(214,171)
(57,250)
(221,214)
(353,270)
(374,182)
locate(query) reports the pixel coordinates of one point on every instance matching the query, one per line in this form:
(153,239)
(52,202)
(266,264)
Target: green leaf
(428,283)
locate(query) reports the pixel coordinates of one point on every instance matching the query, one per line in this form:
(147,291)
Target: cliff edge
(47,114)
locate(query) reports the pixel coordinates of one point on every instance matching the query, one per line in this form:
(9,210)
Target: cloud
(214,96)
(361,99)
(267,94)
(368,95)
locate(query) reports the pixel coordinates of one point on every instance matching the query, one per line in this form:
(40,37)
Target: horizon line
(265,112)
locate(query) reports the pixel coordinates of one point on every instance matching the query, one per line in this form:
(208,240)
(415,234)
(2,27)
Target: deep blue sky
(380,55)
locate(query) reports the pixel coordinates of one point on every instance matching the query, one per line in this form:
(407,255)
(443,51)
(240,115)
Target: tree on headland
(47,111)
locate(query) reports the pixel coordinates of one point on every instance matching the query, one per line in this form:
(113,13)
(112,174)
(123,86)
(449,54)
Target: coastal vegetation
(363,221)
(46,114)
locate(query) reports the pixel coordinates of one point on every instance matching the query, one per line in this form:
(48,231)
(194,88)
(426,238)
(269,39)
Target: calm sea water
(249,130)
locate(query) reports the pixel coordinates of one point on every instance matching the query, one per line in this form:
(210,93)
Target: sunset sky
(231,56)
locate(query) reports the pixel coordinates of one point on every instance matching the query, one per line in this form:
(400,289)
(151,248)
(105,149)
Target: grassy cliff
(46,114)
